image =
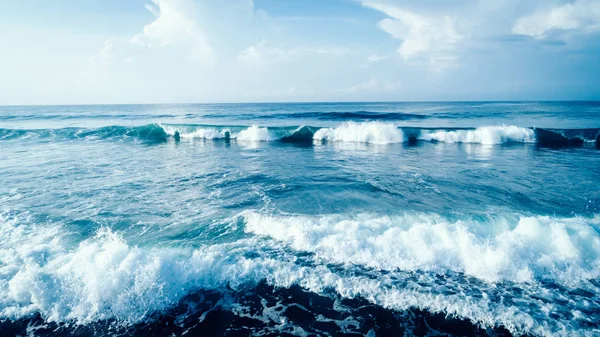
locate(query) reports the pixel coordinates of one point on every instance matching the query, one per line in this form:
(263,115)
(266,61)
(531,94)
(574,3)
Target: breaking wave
(328,115)
(372,132)
(505,248)
(367,132)
(468,269)
(388,133)
(483,135)
(151,133)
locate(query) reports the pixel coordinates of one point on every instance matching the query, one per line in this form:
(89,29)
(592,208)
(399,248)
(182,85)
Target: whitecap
(366,132)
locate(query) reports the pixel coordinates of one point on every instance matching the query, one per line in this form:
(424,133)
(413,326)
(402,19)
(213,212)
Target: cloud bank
(241,50)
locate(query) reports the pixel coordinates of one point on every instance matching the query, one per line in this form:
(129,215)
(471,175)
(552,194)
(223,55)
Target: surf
(372,132)
(104,277)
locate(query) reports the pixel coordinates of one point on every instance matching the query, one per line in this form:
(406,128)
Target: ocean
(304,219)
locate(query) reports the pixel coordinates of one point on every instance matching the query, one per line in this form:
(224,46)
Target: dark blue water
(378,219)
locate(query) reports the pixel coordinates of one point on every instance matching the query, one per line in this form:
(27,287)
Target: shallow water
(477,219)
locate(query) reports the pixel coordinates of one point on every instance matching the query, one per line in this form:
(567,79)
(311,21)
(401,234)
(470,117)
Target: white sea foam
(366,132)
(482,135)
(518,249)
(206,134)
(104,277)
(250,134)
(255,134)
(197,133)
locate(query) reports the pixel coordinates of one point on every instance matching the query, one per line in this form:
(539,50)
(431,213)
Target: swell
(329,115)
(75,116)
(567,137)
(151,133)
(372,132)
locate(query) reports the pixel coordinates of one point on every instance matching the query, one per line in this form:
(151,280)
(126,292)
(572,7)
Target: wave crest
(519,249)
(482,135)
(105,278)
(255,134)
(367,132)
(373,132)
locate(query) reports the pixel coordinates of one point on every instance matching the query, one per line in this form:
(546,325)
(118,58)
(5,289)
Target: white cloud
(368,85)
(172,28)
(376,58)
(373,85)
(425,37)
(206,50)
(268,53)
(439,64)
(583,15)
(264,51)
(105,55)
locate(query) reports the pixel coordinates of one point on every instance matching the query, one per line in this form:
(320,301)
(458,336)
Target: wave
(255,134)
(373,132)
(78,116)
(151,133)
(200,133)
(303,134)
(399,263)
(367,132)
(365,115)
(506,248)
(567,137)
(483,135)
(328,115)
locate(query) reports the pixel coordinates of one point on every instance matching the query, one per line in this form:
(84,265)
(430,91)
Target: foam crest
(255,134)
(482,135)
(518,249)
(199,133)
(104,278)
(366,132)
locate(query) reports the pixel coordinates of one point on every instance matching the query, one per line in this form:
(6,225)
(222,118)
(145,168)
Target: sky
(194,51)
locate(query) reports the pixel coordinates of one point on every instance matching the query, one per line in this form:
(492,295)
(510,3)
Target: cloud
(376,58)
(219,51)
(368,85)
(580,15)
(264,51)
(372,85)
(268,52)
(423,37)
(172,28)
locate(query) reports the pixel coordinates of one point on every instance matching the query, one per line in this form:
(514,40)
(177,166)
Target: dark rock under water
(265,314)
(556,139)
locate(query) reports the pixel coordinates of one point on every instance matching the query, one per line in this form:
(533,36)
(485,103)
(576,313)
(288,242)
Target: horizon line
(309,102)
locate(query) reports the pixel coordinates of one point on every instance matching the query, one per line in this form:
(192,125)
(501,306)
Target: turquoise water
(305,219)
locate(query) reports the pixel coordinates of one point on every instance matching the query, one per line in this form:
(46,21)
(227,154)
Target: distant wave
(429,263)
(151,133)
(77,116)
(388,133)
(367,115)
(484,135)
(329,115)
(368,132)
(372,132)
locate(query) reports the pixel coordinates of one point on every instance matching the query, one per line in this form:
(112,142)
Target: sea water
(379,219)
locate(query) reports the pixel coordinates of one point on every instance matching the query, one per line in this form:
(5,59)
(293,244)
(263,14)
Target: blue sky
(170,51)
